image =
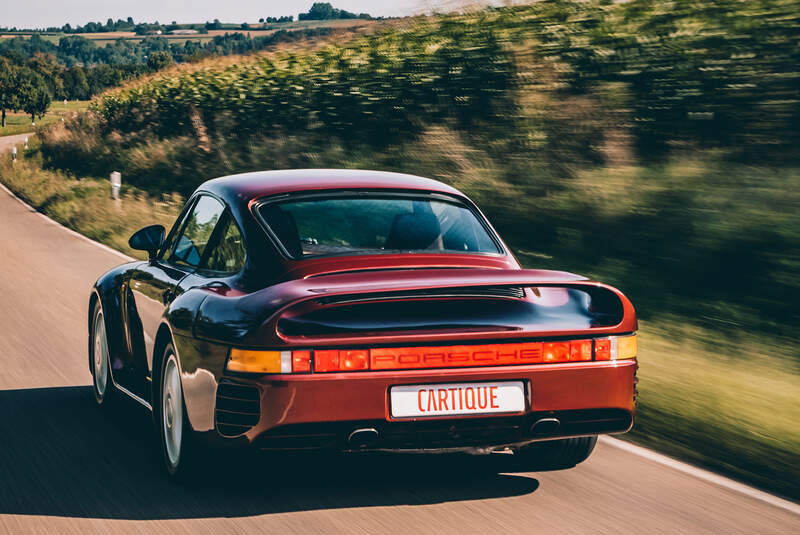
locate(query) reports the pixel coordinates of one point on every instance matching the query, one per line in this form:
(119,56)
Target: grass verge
(728,403)
(85,205)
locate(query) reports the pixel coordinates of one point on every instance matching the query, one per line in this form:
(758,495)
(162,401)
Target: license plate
(453,399)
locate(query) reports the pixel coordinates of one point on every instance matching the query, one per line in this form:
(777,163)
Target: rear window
(369,224)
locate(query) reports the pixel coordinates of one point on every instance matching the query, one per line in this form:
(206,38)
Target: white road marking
(704,475)
(639,451)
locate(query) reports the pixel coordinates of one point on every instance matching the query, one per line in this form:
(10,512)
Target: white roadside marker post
(116,184)
(14,154)
(26,143)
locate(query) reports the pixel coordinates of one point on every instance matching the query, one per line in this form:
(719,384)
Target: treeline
(325,11)
(30,85)
(90,27)
(318,11)
(279,20)
(77,50)
(74,50)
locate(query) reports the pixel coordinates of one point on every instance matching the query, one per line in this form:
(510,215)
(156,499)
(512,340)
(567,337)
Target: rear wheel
(178,445)
(102,385)
(554,454)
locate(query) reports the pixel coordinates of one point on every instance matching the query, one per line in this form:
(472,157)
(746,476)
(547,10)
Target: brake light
(301,361)
(580,350)
(602,349)
(334,360)
(556,352)
(354,360)
(406,358)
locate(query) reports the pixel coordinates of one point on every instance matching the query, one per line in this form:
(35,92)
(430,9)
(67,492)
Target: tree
(159,60)
(76,87)
(325,11)
(318,11)
(8,86)
(47,66)
(33,96)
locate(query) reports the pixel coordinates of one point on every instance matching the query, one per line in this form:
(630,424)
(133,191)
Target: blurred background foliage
(649,143)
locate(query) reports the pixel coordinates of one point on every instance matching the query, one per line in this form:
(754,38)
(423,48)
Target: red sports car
(357,310)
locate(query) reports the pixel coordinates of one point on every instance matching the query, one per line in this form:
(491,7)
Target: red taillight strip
(407,358)
(262,361)
(475,355)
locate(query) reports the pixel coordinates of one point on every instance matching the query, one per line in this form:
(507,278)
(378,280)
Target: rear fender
(108,291)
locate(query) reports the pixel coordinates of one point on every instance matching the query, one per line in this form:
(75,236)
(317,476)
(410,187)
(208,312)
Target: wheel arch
(93,300)
(163,337)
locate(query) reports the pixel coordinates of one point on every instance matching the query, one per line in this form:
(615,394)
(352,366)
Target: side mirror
(148,239)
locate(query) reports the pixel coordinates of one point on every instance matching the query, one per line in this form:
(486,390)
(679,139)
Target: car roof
(242,188)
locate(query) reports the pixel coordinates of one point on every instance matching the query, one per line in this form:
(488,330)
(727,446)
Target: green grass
(85,205)
(729,404)
(19,123)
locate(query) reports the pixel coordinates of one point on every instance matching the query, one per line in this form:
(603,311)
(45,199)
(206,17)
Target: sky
(44,13)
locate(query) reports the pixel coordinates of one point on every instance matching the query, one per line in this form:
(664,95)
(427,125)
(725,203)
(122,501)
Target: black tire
(554,454)
(180,460)
(100,360)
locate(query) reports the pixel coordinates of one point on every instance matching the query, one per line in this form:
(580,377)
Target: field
(102,38)
(18,123)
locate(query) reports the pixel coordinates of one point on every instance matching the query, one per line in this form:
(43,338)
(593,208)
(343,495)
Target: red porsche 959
(357,310)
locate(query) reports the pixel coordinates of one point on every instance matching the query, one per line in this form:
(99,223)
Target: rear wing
(420,306)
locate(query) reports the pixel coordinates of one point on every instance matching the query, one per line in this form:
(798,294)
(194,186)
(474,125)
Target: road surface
(6,142)
(67,466)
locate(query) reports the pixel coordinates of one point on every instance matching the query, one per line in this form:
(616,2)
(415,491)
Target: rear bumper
(292,412)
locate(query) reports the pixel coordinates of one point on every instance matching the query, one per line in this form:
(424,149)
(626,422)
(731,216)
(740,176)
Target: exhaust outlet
(362,438)
(545,426)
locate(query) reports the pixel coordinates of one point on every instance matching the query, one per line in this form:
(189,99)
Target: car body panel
(277,302)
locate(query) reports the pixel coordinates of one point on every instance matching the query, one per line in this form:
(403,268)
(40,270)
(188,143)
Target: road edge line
(74,233)
(704,475)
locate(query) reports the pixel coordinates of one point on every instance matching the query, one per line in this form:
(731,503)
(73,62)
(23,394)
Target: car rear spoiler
(448,304)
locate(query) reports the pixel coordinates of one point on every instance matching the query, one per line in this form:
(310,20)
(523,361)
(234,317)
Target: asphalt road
(67,466)
(6,142)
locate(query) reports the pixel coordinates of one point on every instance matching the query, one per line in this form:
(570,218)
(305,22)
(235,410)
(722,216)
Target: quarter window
(228,254)
(197,231)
